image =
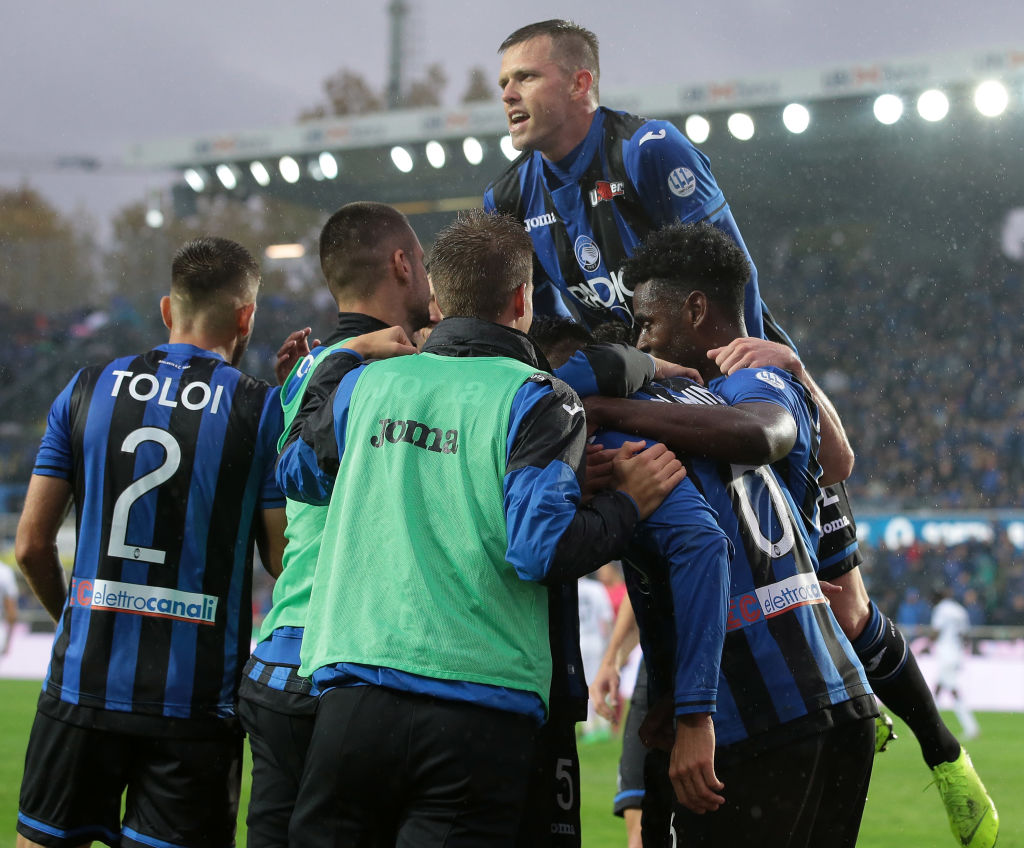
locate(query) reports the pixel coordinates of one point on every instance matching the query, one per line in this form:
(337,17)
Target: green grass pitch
(902,809)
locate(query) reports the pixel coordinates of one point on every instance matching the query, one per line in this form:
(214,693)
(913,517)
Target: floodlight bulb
(227,177)
(933,105)
(435,154)
(991,98)
(888,108)
(289,169)
(402,159)
(508,148)
(194,179)
(741,125)
(328,165)
(796,118)
(259,173)
(698,128)
(473,150)
(154,218)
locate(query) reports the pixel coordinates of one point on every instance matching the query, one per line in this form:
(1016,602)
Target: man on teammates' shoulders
(592,182)
(168,458)
(372,263)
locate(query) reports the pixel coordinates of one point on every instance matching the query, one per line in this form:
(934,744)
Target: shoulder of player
(770,377)
(504,188)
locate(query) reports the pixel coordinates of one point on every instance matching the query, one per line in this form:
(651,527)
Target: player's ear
(696,308)
(582,82)
(401,263)
(519,299)
(165,312)
(246,317)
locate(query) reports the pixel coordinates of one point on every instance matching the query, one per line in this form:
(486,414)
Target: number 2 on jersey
(119,546)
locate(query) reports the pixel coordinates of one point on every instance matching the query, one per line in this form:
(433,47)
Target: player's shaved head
(210,278)
(572,46)
(356,244)
(478,262)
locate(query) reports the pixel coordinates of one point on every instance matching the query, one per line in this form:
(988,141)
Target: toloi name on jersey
(145,387)
(417,434)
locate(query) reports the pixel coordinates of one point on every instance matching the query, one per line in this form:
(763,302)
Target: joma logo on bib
(417,434)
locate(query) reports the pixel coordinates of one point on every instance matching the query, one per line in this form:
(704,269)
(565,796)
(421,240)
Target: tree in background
(47,258)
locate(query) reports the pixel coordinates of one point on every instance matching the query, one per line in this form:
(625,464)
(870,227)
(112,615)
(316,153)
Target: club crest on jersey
(604,190)
(417,434)
(588,254)
(773,380)
(682,182)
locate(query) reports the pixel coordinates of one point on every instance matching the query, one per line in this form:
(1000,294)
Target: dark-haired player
(168,458)
(762,687)
(666,272)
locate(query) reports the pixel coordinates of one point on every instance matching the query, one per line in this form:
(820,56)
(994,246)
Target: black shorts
(441,772)
(278,741)
(179,791)
(551,818)
(810,791)
(629,791)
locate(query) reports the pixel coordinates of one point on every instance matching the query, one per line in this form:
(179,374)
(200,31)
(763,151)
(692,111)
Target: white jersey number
(774,549)
(119,546)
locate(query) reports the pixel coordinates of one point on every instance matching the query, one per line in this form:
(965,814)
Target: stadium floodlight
(328,165)
(402,159)
(991,98)
(195,178)
(507,148)
(888,108)
(473,150)
(741,125)
(933,105)
(154,218)
(259,173)
(796,118)
(698,128)
(227,176)
(285,251)
(435,154)
(289,169)
(315,171)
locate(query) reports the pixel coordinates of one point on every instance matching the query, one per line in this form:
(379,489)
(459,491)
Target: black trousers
(278,741)
(809,793)
(428,771)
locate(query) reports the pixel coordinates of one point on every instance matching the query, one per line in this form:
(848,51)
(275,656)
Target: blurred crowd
(922,362)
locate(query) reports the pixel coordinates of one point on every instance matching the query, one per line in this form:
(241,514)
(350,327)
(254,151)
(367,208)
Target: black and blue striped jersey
(169,455)
(786,666)
(588,212)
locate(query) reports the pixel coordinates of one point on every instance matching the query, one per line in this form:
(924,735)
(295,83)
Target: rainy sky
(88,79)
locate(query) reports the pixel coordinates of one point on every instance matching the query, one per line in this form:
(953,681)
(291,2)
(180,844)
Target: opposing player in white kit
(951,622)
(596,619)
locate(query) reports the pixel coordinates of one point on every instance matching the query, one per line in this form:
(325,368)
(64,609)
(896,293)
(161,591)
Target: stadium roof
(902,76)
